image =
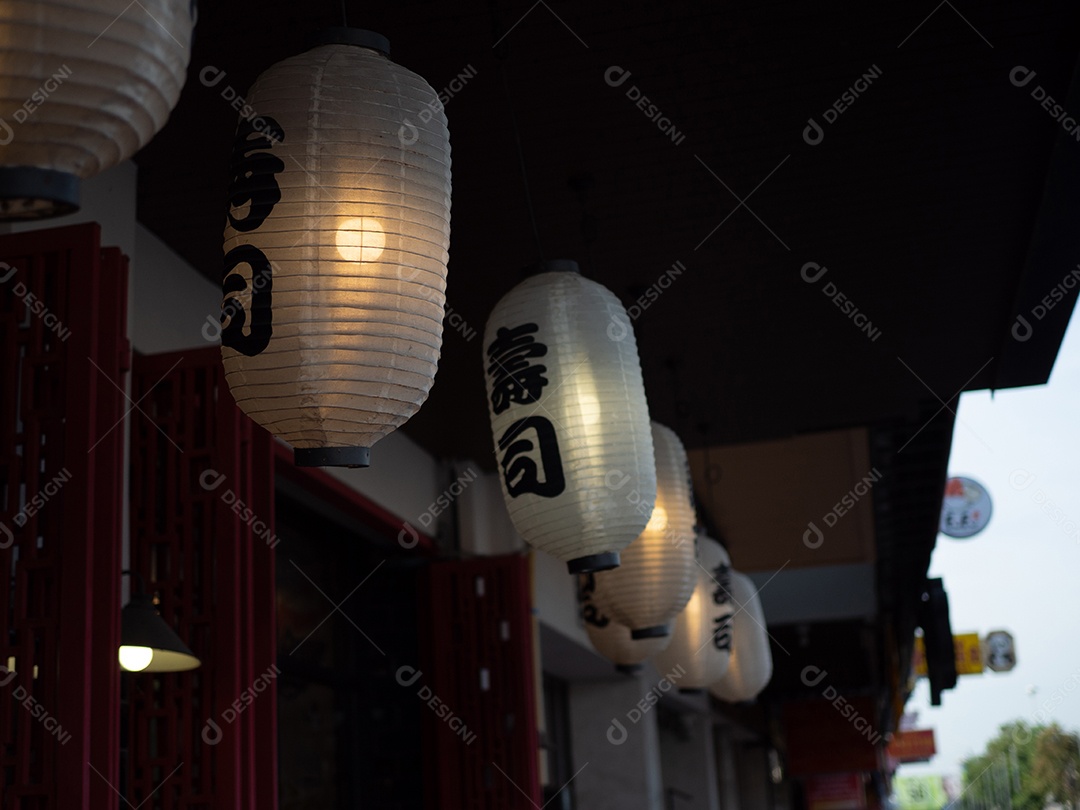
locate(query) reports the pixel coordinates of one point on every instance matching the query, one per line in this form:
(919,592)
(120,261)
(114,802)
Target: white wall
(483,520)
(171,301)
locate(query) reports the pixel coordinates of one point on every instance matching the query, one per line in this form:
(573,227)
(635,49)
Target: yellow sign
(969,657)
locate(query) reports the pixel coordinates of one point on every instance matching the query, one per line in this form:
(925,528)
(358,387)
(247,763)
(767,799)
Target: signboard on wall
(965,509)
(916,745)
(969,655)
(996,652)
(919,792)
(1000,651)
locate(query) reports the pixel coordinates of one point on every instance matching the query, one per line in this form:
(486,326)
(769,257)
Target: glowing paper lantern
(336,249)
(751,659)
(701,637)
(659,569)
(569,417)
(611,639)
(83,86)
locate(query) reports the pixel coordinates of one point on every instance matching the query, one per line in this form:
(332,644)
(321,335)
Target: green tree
(1057,766)
(1024,767)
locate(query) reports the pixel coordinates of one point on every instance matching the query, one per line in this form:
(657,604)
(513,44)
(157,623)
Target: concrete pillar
(726,769)
(689,763)
(615,741)
(750,760)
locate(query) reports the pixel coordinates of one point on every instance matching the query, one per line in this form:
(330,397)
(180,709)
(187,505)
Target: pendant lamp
(336,249)
(147,643)
(609,638)
(83,86)
(569,417)
(751,658)
(701,636)
(659,569)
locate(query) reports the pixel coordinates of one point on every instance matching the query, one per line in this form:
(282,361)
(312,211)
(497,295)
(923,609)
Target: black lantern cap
(29,193)
(142,626)
(552,266)
(351,36)
(593,562)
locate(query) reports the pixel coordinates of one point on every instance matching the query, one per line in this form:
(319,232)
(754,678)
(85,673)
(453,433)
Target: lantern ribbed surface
(659,569)
(83,86)
(701,635)
(569,418)
(336,250)
(751,658)
(611,639)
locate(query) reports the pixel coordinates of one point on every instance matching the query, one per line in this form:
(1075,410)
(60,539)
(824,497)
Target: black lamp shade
(142,626)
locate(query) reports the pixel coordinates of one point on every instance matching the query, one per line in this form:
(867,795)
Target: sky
(1022,573)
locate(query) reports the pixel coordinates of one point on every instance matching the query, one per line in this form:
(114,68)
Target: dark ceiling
(943,201)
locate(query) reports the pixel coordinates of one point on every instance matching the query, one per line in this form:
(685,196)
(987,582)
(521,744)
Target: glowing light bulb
(361,239)
(135,659)
(589,407)
(658,520)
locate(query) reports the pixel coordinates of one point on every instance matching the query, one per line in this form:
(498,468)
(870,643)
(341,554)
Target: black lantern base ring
(594,562)
(656,631)
(332,456)
(690,690)
(628,669)
(27,193)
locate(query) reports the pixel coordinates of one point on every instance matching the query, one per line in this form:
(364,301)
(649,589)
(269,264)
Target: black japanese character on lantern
(253,182)
(521,467)
(722,632)
(722,592)
(722,596)
(589,611)
(233,315)
(513,378)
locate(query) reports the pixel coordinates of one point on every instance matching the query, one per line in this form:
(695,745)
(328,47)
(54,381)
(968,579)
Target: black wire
(521,162)
(344,15)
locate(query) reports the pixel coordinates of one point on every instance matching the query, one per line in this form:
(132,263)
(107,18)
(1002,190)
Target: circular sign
(999,648)
(966,509)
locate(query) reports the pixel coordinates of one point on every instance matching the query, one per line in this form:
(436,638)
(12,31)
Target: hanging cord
(501,52)
(581,184)
(521,164)
(344,15)
(672,365)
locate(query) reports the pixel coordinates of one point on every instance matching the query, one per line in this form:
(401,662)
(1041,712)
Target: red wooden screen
(479,666)
(202,517)
(63,355)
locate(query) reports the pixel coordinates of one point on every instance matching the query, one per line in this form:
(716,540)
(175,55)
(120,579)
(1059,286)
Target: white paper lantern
(611,639)
(701,636)
(336,249)
(83,86)
(569,417)
(751,658)
(659,569)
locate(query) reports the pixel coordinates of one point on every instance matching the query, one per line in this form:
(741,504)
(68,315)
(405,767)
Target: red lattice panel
(479,662)
(214,576)
(63,356)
